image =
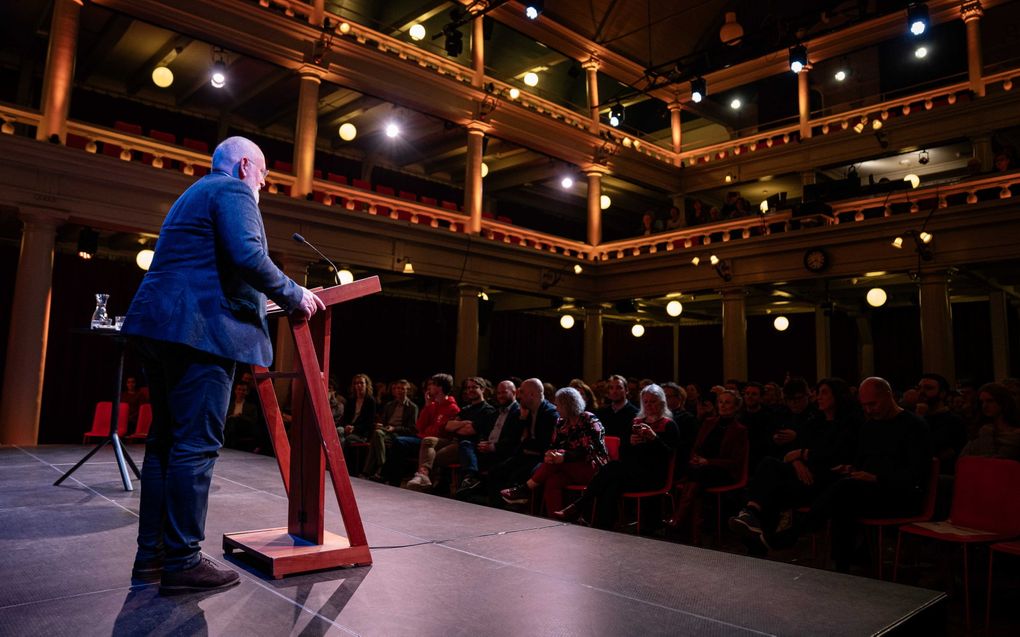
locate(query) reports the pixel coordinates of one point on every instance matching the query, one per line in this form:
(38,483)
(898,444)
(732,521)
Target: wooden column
(734,333)
(591,67)
(466,358)
(473,177)
(971,12)
(936,325)
(30,319)
(804,102)
(592,365)
(823,344)
(477,53)
(675,128)
(283,356)
(998,307)
(306,130)
(318,12)
(59,77)
(594,173)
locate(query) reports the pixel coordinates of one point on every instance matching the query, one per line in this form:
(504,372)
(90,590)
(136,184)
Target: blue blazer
(208,282)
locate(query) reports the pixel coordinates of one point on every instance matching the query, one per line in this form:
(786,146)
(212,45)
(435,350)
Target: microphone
(336,271)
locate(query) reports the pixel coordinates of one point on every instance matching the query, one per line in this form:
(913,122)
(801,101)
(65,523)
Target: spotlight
(345,276)
(578,269)
(917,18)
(913,179)
(638,330)
(698,89)
(605,202)
(531,78)
(764,206)
(714,260)
(454,43)
(566,321)
(88,243)
(674,308)
(897,242)
(218,76)
(567,182)
(925,237)
(408,267)
(728,178)
(534,9)
(348,131)
(923,158)
(876,124)
(695,261)
(876,297)
(798,58)
(616,114)
(162,76)
(515,93)
(921,52)
(144,258)
(735,103)
(840,75)
(417,32)
(483,295)
(781,323)
(392,130)
(859,126)
(485,169)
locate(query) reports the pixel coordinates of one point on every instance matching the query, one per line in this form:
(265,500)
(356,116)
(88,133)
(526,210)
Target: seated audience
(439,408)
(359,416)
(586,393)
(675,221)
(497,438)
(760,422)
(948,431)
(135,397)
(644,461)
(397,419)
(618,415)
(798,410)
(686,423)
(579,449)
(999,437)
(537,423)
(243,428)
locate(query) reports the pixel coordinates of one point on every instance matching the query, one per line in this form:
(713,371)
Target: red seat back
(985,495)
(340,179)
(361,183)
(410,196)
(613,447)
(144,421)
(385,190)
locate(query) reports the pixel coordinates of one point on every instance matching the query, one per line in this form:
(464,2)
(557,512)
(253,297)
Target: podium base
(281,554)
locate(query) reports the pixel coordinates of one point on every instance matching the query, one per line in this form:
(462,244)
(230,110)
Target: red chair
(339,179)
(723,489)
(651,493)
(613,449)
(385,211)
(101,421)
(362,184)
(985,509)
(927,512)
(144,423)
(1006,548)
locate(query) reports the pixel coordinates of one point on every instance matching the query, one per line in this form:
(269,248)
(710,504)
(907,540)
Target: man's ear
(243,168)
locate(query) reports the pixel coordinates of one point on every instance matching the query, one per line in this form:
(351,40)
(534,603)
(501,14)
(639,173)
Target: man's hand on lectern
(310,304)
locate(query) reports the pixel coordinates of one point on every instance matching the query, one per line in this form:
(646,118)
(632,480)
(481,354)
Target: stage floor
(441,567)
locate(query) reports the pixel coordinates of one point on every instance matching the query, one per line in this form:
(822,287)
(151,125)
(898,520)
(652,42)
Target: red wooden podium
(313,445)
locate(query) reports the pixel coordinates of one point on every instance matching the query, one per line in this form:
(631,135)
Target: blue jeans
(468,458)
(190,393)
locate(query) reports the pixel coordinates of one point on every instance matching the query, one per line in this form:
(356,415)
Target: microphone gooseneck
(336,271)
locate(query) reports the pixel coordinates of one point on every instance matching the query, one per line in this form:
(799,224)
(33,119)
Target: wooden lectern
(313,445)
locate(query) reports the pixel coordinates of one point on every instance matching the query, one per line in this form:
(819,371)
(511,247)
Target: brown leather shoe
(205,576)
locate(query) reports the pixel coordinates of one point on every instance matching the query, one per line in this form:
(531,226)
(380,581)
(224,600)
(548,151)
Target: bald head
(242,159)
(877,399)
(531,393)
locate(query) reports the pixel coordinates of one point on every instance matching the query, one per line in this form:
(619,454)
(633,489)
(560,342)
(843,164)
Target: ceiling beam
(267,82)
(107,39)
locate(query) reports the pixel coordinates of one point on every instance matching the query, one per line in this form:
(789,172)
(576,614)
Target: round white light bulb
(144,258)
(567,182)
(162,76)
(348,131)
(345,276)
(913,179)
(877,297)
(735,103)
(566,321)
(605,202)
(531,78)
(921,52)
(485,169)
(515,93)
(840,75)
(638,330)
(417,32)
(781,323)
(674,308)
(392,130)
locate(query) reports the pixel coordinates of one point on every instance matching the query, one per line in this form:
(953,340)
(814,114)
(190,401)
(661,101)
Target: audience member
(686,422)
(243,429)
(440,407)
(336,403)
(693,396)
(578,450)
(359,417)
(618,415)
(698,215)
(760,422)
(590,403)
(675,221)
(999,437)
(644,461)
(796,395)
(397,419)
(496,440)
(537,423)
(948,431)
(135,397)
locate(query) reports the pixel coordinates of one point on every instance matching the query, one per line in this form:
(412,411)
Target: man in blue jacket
(200,309)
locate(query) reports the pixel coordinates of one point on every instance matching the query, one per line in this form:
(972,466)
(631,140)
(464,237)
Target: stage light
(566,321)
(345,28)
(714,260)
(162,76)
(840,75)
(897,242)
(533,9)
(728,178)
(764,206)
(921,52)
(515,93)
(567,183)
(218,75)
(408,267)
(392,130)
(698,89)
(925,237)
(345,276)
(913,179)
(674,308)
(578,268)
(859,126)
(485,169)
(605,202)
(781,323)
(876,297)
(876,124)
(638,330)
(88,243)
(695,261)
(417,32)
(798,58)
(735,103)
(348,131)
(917,18)
(616,114)
(531,78)
(483,295)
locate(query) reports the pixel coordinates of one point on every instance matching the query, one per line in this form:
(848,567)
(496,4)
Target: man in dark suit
(200,309)
(536,424)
